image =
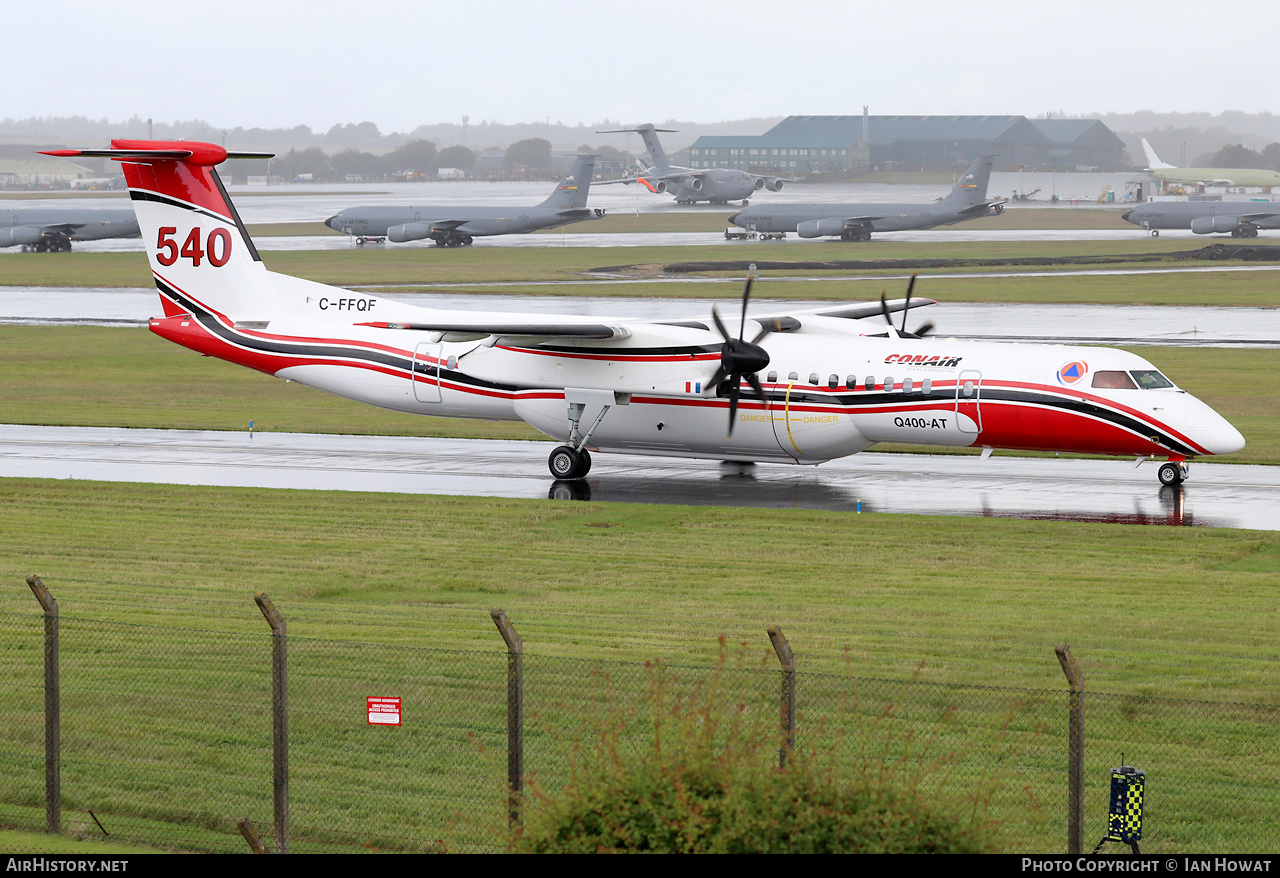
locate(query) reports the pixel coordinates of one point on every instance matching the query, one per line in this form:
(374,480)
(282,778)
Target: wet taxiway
(1216,495)
(1085,324)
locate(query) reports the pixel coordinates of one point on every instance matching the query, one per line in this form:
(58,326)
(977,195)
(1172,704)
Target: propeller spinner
(740,359)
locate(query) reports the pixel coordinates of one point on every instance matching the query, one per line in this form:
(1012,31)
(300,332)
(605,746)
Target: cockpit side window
(1150,379)
(1113,381)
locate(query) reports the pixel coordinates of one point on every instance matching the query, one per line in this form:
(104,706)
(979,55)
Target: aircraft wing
(520,328)
(1219,182)
(66,228)
(982,209)
(851,311)
(1258,217)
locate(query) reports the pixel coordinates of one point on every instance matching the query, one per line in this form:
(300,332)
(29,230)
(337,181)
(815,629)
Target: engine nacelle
(409,232)
(819,228)
(696,184)
(19,235)
(660,186)
(774,185)
(1205,225)
(758,183)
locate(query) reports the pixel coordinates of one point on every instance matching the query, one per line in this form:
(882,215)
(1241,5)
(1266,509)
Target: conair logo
(923,360)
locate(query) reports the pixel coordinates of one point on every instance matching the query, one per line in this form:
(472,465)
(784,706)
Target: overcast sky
(402,64)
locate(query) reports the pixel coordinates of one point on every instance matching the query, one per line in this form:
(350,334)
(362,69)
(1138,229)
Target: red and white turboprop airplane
(808,387)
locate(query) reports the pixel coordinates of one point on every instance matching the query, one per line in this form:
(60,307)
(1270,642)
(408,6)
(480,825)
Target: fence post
(788,710)
(52,709)
(280,719)
(1075,750)
(515,714)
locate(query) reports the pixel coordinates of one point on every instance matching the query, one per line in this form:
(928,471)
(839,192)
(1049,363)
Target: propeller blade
(719,325)
(754,381)
(720,375)
(746,296)
(906,306)
(925,330)
(884,309)
(733,404)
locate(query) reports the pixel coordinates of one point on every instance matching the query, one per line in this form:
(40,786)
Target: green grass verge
(981,601)
(826,266)
(71,845)
(118,377)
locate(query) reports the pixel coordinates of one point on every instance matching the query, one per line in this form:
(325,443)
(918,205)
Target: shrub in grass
(703,777)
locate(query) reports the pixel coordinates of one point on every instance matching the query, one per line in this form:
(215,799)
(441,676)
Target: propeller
(740,359)
(925,328)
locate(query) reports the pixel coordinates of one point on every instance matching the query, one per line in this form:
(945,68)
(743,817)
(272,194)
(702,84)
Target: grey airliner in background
(53,229)
(1241,219)
(452,226)
(856,222)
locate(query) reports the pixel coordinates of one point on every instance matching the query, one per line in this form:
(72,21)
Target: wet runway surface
(1216,495)
(1109,324)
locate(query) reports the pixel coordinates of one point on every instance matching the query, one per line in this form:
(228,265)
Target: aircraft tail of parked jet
(972,187)
(572,192)
(1153,160)
(649,135)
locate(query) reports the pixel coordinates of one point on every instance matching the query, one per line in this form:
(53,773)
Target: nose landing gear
(1173,472)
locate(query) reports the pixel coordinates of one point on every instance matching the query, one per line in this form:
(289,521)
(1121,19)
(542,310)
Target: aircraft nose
(1224,439)
(1125,216)
(734,219)
(334,222)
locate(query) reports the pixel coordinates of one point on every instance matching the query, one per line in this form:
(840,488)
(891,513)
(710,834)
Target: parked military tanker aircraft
(809,386)
(1240,219)
(452,226)
(716,185)
(855,222)
(52,229)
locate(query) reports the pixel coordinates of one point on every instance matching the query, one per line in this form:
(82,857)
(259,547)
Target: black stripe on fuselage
(307,349)
(854,401)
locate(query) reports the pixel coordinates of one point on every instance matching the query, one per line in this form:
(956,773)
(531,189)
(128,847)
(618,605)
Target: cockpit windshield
(1150,379)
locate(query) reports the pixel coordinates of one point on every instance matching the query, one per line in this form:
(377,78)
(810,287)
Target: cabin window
(833,381)
(888,385)
(968,390)
(1150,379)
(851,383)
(870,383)
(793,376)
(813,378)
(926,386)
(906,385)
(772,378)
(1113,381)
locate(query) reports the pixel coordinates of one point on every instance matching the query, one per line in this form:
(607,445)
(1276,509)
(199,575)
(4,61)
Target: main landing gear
(567,462)
(573,461)
(1173,472)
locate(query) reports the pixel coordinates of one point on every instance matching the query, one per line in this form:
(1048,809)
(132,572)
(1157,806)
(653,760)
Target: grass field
(1151,613)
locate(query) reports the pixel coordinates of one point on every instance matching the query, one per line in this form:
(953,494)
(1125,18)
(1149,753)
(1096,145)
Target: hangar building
(837,144)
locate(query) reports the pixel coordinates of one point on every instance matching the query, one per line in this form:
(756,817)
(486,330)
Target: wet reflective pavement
(1215,495)
(1107,324)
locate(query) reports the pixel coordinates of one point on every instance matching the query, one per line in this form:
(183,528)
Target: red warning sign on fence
(383,711)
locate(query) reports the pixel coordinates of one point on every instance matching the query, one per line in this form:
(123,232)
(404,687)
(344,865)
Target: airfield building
(837,144)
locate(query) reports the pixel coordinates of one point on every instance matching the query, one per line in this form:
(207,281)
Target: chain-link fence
(166,739)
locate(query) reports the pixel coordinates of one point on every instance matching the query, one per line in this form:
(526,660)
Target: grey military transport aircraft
(855,222)
(52,229)
(1241,218)
(716,185)
(452,226)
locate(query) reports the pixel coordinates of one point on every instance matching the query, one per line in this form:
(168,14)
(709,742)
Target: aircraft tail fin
(571,191)
(649,135)
(1153,160)
(201,255)
(972,187)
